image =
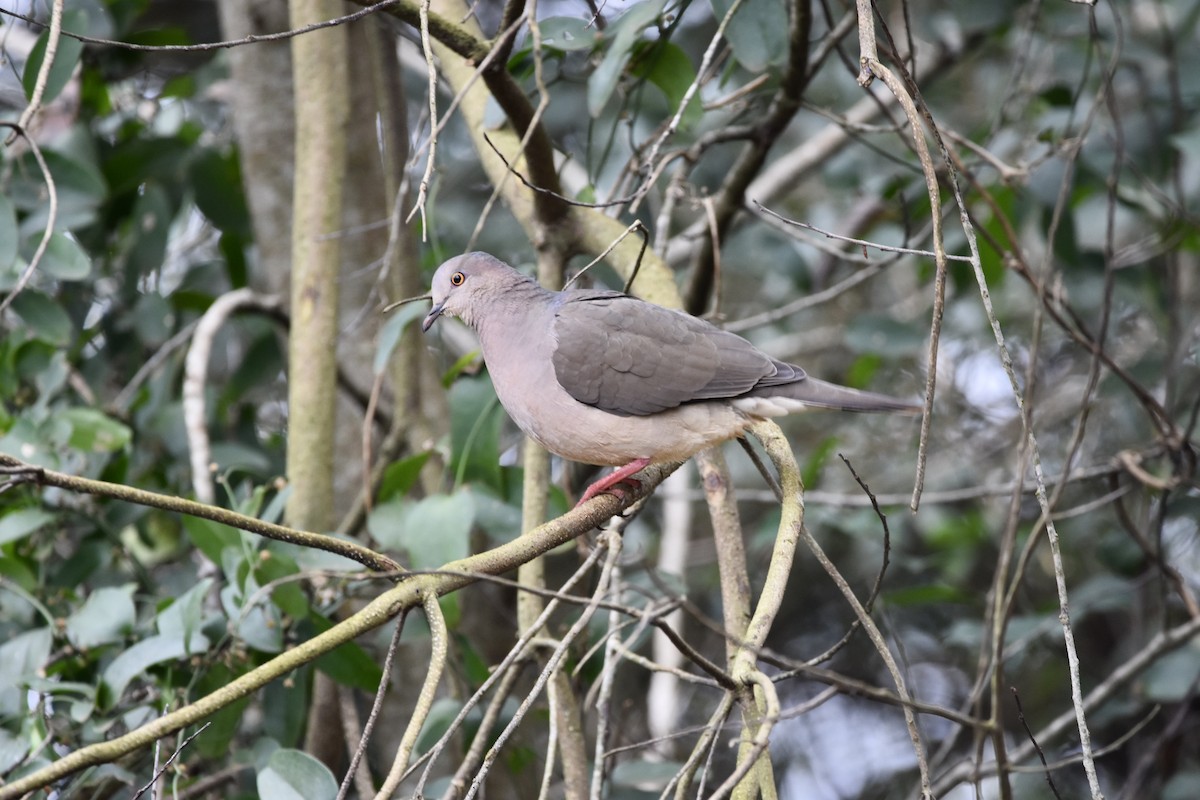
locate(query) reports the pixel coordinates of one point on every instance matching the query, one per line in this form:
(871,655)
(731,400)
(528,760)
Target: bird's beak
(432,316)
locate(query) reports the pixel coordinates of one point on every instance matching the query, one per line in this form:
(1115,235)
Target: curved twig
(405,595)
(51,217)
(437,664)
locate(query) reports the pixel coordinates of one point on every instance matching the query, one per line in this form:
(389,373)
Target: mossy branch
(21,472)
(409,593)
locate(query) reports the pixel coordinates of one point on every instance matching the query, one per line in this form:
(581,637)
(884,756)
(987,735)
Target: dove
(605,378)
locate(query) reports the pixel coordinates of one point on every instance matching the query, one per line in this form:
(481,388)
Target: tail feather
(822,394)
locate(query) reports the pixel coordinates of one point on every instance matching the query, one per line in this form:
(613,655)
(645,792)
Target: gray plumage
(605,378)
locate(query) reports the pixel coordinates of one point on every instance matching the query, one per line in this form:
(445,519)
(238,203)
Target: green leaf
(44,366)
(456,369)
(568,34)
(288,699)
(149,229)
(393,329)
(18,524)
(1172,677)
(433,531)
(994,271)
(295,775)
(106,617)
(93,555)
(816,460)
(400,476)
(233,456)
(81,190)
(287,595)
(757,33)
(233,248)
(140,159)
(261,362)
(182,86)
(9,236)
(214,741)
(471,662)
(153,319)
(94,431)
(965,530)
(65,58)
(94,96)
(20,659)
(863,369)
(65,260)
(475,432)
(12,751)
(20,571)
(451,609)
(259,625)
(45,317)
(1058,95)
(499,519)
(938,595)
(211,538)
(625,32)
(668,67)
(217,183)
(159,37)
(145,654)
(185,615)
(348,664)
(275,508)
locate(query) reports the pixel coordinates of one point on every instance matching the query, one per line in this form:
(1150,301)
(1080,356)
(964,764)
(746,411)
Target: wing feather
(630,357)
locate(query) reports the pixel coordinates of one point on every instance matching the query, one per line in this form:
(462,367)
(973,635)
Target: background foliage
(153,182)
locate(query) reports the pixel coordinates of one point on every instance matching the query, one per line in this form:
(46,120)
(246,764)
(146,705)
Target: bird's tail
(811,392)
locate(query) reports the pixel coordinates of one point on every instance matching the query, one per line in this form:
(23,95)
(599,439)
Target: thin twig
(708,737)
(483,735)
(548,671)
(373,717)
(43,76)
(206,46)
(196,383)
(762,736)
(635,226)
(876,587)
(650,167)
(886,248)
(51,218)
(1033,740)
(552,740)
(406,594)
(939,283)
(516,652)
(438,646)
(28,473)
(1162,643)
(124,399)
(423,186)
(166,764)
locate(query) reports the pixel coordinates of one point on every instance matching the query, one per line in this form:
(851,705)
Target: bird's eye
(458,279)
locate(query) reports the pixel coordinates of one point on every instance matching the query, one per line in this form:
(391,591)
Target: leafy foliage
(1075,134)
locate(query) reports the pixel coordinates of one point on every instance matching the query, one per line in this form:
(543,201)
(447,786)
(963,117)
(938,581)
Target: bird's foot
(611,484)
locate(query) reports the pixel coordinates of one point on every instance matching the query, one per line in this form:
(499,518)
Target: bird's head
(465,284)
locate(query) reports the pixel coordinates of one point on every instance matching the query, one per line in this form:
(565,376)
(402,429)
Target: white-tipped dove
(604,378)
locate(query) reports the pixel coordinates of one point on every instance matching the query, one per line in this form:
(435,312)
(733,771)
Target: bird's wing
(627,356)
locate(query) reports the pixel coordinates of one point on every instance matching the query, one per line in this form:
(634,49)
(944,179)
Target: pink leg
(608,484)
